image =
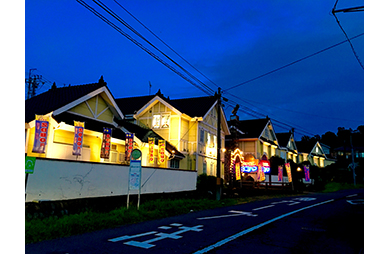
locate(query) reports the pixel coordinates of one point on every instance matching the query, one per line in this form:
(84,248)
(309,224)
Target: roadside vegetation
(52,227)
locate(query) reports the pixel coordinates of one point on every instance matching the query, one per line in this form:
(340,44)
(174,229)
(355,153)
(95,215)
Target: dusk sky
(302,71)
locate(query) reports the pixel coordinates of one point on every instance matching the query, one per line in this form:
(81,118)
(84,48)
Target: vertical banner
(260,174)
(151,150)
(307,172)
(288,169)
(238,171)
(128,145)
(280,173)
(161,152)
(78,138)
(106,144)
(41,130)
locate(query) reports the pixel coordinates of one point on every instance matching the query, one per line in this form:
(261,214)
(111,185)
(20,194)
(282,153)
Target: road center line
(263,207)
(231,238)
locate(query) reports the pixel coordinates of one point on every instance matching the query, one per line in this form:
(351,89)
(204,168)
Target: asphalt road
(313,223)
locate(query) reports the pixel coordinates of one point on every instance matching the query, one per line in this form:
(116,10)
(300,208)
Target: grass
(335,186)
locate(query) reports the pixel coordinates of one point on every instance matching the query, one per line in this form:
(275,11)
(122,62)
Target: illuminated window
(156,121)
(161,121)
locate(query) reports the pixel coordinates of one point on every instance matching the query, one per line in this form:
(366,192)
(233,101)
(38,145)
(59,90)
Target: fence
(63,180)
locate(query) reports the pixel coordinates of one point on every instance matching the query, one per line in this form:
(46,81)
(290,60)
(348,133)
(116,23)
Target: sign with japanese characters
(288,169)
(307,172)
(161,152)
(106,144)
(250,166)
(135,175)
(238,171)
(41,132)
(78,138)
(151,150)
(260,175)
(128,145)
(280,173)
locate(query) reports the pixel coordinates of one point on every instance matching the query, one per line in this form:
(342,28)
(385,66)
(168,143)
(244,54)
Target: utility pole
(219,182)
(33,82)
(353,159)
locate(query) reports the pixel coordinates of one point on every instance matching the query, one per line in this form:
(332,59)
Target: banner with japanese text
(280,173)
(238,171)
(78,138)
(41,131)
(260,174)
(288,169)
(307,172)
(161,152)
(128,145)
(151,150)
(106,144)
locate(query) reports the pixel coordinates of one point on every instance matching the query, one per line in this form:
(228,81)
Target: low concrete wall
(62,180)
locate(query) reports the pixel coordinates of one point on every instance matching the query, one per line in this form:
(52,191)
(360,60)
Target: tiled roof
(194,107)
(131,105)
(305,146)
(56,98)
(283,138)
(251,128)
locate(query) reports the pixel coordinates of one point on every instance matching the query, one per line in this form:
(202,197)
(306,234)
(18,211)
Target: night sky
(304,73)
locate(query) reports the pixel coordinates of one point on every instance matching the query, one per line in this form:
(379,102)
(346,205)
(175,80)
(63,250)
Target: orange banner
(161,152)
(151,150)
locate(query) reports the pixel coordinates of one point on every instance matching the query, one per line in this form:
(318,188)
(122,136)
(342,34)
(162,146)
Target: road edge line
(246,231)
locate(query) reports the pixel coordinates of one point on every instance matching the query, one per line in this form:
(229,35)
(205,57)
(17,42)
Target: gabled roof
(130,105)
(308,147)
(194,107)
(251,128)
(63,98)
(283,138)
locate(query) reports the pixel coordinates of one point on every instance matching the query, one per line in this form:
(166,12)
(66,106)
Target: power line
(165,43)
(294,62)
(123,22)
(205,90)
(353,9)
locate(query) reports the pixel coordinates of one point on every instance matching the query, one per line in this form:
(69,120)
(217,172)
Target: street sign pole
(135,173)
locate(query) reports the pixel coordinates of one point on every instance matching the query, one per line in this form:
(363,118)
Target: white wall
(61,180)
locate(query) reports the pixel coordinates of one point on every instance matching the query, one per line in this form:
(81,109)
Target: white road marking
(351,196)
(356,202)
(263,207)
(236,213)
(231,238)
(294,203)
(164,227)
(161,236)
(176,224)
(126,237)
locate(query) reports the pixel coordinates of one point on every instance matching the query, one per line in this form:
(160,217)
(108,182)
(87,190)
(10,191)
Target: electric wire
(99,15)
(345,33)
(294,62)
(123,22)
(165,44)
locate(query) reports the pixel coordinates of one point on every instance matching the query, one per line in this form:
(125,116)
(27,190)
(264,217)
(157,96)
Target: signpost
(29,169)
(135,172)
